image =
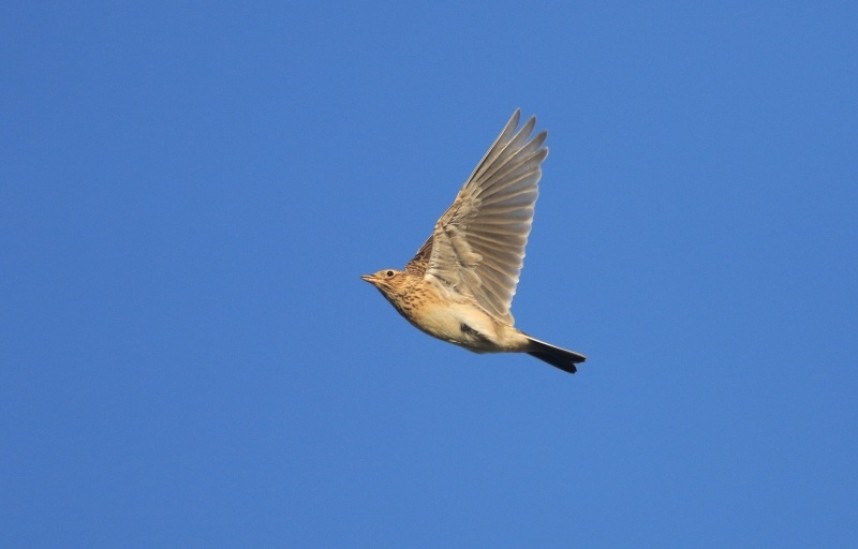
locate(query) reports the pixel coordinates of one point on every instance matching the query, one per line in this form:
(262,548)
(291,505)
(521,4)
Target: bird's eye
(388,274)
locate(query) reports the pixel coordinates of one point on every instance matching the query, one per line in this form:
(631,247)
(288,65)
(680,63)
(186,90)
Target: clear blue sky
(190,191)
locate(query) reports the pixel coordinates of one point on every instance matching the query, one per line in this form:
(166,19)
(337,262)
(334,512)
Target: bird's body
(445,314)
(459,286)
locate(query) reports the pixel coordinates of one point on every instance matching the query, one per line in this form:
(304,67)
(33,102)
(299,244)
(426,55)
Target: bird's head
(386,280)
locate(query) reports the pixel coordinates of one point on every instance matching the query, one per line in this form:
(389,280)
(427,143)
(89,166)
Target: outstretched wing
(477,247)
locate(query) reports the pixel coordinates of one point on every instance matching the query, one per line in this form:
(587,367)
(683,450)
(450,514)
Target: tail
(557,357)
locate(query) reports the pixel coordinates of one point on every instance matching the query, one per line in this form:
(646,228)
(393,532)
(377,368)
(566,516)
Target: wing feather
(477,247)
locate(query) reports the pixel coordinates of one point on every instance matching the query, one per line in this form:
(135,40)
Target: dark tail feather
(557,357)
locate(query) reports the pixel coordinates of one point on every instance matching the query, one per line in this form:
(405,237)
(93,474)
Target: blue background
(189,192)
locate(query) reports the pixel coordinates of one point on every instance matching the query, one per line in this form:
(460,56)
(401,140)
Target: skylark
(460,285)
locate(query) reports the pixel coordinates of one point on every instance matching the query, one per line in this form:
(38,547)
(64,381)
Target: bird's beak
(368,278)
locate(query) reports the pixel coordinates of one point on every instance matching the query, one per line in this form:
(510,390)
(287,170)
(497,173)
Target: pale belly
(465,325)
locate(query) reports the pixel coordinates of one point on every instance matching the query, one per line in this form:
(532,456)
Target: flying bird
(460,285)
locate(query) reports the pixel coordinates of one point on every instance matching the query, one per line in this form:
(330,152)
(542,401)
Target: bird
(460,285)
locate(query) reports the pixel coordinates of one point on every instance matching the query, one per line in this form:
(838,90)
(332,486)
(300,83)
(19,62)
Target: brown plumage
(460,284)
